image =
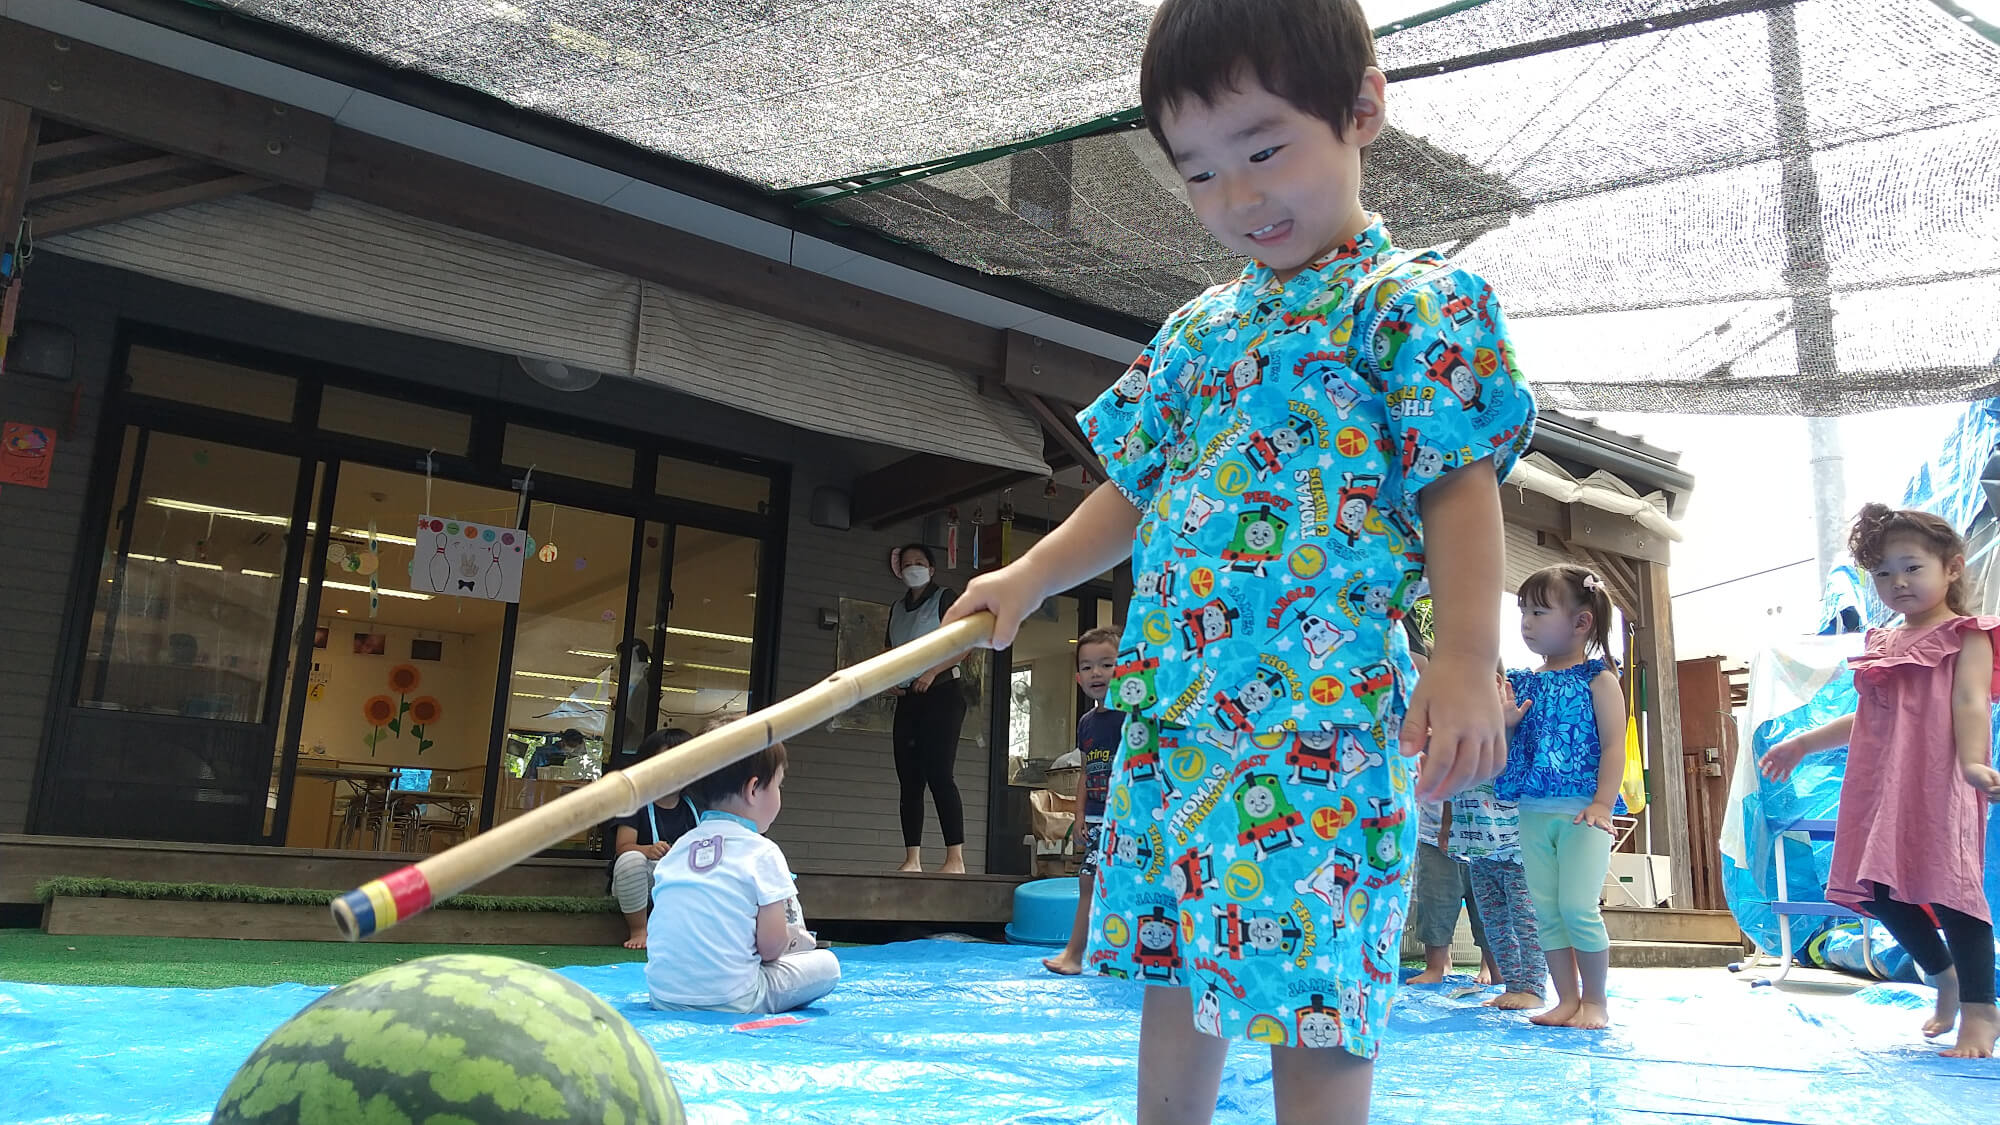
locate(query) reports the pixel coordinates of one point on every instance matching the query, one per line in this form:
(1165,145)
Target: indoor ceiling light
(587,702)
(709,667)
(384,591)
(593,653)
(710,636)
(554,676)
(212,510)
(196,565)
(360,533)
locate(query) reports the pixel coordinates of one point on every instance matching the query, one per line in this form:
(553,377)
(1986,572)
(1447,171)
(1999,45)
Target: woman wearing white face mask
(929,712)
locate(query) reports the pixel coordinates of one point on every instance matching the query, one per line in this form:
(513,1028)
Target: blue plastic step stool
(1043,911)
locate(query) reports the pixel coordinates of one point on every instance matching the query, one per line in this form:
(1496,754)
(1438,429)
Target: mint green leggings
(1565,864)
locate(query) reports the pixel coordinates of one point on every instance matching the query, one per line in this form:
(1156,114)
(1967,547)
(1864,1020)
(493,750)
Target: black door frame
(1003,827)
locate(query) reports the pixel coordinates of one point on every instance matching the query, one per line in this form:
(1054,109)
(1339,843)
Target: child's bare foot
(1558,1016)
(1515,1001)
(1064,964)
(1978,1025)
(636,938)
(1486,976)
(1590,1017)
(1945,1016)
(1428,976)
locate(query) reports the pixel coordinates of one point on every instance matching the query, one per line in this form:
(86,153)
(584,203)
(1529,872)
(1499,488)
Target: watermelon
(453,1040)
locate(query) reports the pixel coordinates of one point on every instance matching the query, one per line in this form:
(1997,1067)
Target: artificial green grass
(33,957)
(75,887)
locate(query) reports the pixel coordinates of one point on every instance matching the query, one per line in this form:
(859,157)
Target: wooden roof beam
(924,483)
(1062,429)
(146,203)
(1042,367)
(55,187)
(18,130)
(121,96)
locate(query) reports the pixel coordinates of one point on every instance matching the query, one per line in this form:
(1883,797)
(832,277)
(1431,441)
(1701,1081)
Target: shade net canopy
(1699,206)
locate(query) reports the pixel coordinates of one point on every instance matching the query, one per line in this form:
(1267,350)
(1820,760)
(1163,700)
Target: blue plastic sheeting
(1952,483)
(1812,793)
(947,1032)
(1840,948)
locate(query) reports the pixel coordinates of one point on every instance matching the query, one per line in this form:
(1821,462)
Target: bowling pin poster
(468,560)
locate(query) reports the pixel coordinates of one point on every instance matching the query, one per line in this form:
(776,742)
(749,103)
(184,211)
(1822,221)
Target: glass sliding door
(566,670)
(397,711)
(171,729)
(705,645)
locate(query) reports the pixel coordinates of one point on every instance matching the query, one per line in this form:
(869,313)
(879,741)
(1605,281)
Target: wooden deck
(886,897)
(891,898)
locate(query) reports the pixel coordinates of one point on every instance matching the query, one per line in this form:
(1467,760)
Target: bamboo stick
(408,891)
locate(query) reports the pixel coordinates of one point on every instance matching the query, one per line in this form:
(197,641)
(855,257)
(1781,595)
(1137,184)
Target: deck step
(136,917)
(843,896)
(1673,955)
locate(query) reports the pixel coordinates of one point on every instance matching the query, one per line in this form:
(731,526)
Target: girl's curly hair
(1878,523)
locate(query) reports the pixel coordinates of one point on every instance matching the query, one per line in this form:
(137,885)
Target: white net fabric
(778,92)
(1732,206)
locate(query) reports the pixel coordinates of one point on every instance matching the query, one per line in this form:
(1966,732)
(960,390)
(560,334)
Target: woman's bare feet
(1065,964)
(1945,1016)
(1978,1025)
(1558,1016)
(954,860)
(913,860)
(1590,1017)
(1515,1001)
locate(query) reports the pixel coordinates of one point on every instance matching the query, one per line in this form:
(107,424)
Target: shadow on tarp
(940,1031)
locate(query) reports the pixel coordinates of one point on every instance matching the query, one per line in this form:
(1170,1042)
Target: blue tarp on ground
(948,1032)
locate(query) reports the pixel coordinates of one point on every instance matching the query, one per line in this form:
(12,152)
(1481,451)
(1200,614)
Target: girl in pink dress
(1911,835)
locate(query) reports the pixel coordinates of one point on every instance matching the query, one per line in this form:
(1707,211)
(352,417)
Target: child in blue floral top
(1565,759)
(1297,451)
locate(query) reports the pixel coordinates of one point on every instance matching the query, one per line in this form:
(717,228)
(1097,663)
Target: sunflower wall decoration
(386,717)
(379,711)
(424,710)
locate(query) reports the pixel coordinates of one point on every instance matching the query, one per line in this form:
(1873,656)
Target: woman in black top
(641,840)
(930,709)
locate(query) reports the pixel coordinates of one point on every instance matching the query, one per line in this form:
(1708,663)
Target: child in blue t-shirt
(1297,451)
(1097,736)
(1565,760)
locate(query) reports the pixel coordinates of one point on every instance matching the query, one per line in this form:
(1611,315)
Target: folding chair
(1807,829)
